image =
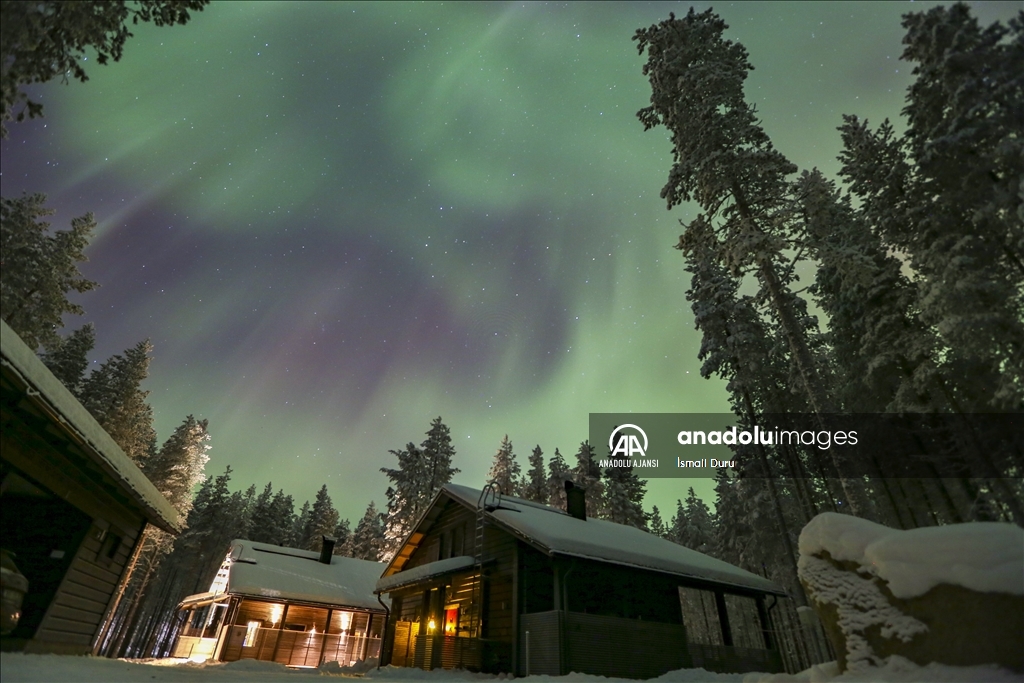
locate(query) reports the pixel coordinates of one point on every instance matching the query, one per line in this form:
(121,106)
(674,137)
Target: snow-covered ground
(18,668)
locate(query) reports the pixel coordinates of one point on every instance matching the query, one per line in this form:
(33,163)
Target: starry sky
(338,221)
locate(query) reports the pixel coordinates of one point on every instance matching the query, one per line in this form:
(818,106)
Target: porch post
(280,632)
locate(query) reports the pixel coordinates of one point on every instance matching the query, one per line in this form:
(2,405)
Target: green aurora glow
(337,221)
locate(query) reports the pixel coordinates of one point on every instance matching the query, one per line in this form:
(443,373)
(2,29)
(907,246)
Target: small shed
(74,506)
(501,584)
(296,607)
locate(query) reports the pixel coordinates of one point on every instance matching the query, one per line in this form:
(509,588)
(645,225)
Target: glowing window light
(275,614)
(252,629)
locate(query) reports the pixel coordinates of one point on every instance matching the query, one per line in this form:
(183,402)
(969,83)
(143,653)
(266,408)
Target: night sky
(338,221)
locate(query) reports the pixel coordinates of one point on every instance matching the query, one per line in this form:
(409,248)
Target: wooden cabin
(74,507)
(500,584)
(296,607)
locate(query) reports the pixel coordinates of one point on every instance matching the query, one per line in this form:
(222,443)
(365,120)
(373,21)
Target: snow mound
(253,665)
(359,668)
(859,605)
(400,673)
(895,669)
(987,557)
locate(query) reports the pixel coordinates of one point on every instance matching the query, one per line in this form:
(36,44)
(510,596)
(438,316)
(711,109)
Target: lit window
(252,629)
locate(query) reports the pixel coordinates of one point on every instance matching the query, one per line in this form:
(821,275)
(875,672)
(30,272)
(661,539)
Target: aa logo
(627,444)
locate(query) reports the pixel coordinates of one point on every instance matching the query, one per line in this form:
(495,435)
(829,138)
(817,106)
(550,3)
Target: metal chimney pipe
(327,549)
(575,501)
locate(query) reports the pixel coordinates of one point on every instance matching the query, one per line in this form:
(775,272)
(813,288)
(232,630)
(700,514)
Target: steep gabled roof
(554,532)
(269,571)
(22,367)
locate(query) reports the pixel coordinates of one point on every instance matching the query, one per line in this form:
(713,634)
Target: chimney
(327,549)
(575,501)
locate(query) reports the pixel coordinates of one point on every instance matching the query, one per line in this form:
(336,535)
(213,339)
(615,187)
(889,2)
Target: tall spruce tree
(624,497)
(180,464)
(420,474)
(558,474)
(261,521)
(587,475)
(505,471)
(38,268)
(698,531)
(322,521)
(113,394)
(297,538)
(343,537)
(723,160)
(535,484)
(69,358)
(656,525)
(677,527)
(438,453)
(368,538)
(282,516)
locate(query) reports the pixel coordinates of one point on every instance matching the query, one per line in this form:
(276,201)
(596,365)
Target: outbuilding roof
(555,532)
(274,572)
(48,394)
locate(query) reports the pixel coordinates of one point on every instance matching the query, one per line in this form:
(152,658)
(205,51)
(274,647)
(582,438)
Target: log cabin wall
(95,522)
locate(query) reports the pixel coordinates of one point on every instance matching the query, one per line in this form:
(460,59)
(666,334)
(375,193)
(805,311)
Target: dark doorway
(44,533)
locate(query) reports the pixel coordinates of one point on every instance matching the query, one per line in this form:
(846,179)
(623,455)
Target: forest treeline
(917,260)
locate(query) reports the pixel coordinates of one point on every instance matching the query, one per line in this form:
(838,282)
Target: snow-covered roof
(50,394)
(555,532)
(987,557)
(271,571)
(424,571)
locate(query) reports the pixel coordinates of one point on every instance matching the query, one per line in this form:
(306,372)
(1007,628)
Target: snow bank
(16,667)
(987,557)
(895,670)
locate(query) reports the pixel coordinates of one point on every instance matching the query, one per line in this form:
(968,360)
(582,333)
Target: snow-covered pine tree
(69,359)
(297,538)
(180,464)
(656,525)
(438,453)
(261,521)
(39,268)
(343,536)
(504,468)
(725,161)
(677,527)
(420,474)
(323,520)
(558,474)
(113,394)
(964,112)
(624,497)
(587,475)
(698,531)
(282,519)
(368,538)
(535,484)
(405,496)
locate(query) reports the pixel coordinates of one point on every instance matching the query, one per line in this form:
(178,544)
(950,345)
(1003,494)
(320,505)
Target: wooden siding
(81,601)
(544,653)
(450,535)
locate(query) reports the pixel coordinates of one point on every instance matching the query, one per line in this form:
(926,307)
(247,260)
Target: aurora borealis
(338,221)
